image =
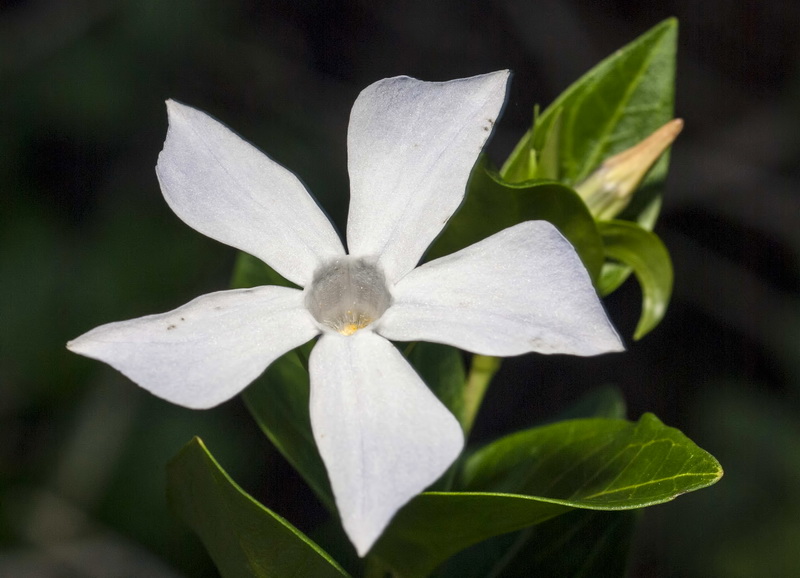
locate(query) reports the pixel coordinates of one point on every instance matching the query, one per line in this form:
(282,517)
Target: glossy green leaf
(612,463)
(612,275)
(578,544)
(278,400)
(612,107)
(492,205)
(548,157)
(436,525)
(649,259)
(532,476)
(245,539)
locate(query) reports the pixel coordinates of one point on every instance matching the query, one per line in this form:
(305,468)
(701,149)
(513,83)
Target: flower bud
(609,189)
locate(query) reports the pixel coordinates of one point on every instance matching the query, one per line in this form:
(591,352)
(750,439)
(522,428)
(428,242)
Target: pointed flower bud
(609,189)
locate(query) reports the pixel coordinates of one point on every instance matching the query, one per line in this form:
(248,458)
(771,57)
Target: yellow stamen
(349,329)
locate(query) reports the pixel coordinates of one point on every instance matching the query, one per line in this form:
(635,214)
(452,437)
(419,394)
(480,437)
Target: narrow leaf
(649,259)
(612,107)
(245,539)
(612,275)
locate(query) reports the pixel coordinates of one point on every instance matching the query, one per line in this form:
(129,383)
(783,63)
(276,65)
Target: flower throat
(347,294)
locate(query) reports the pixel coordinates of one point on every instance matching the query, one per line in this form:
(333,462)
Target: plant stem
(481,372)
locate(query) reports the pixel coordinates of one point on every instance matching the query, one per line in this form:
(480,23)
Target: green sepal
(642,251)
(245,539)
(492,205)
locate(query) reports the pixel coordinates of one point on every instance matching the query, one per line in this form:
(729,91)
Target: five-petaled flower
(382,434)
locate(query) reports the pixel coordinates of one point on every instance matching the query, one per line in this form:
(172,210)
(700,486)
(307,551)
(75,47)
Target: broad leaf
(436,525)
(245,539)
(590,541)
(649,259)
(612,107)
(492,205)
(611,463)
(580,543)
(532,476)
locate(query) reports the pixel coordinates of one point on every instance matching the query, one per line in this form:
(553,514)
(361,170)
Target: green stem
(480,376)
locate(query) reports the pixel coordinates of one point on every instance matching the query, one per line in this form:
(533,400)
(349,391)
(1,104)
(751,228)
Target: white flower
(382,434)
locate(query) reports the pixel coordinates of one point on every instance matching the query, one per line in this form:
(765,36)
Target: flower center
(347,294)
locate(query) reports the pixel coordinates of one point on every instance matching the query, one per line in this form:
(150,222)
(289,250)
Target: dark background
(86,238)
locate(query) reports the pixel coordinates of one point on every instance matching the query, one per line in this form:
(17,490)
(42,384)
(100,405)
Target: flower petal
(207,351)
(230,191)
(384,437)
(411,146)
(522,289)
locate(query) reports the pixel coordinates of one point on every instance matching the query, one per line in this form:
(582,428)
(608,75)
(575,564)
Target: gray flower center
(347,294)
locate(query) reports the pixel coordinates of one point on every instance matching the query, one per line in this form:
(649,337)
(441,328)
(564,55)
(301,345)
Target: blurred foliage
(86,238)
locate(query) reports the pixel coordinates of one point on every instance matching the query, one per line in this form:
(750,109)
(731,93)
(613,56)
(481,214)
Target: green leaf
(612,107)
(252,272)
(441,367)
(278,400)
(580,543)
(612,464)
(542,162)
(532,476)
(612,275)
(436,525)
(548,156)
(644,252)
(245,539)
(492,205)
